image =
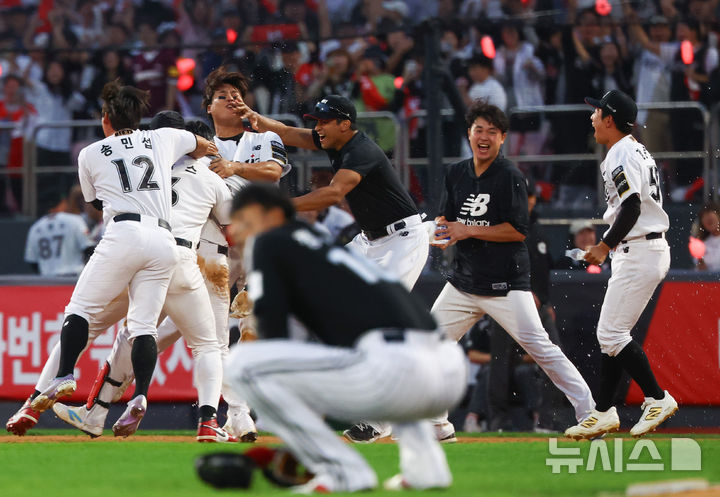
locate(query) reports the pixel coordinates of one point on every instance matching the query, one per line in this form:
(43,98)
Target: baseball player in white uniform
(641,259)
(197,193)
(129,174)
(57,244)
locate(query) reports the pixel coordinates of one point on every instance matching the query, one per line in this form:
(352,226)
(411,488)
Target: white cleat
(240,425)
(654,413)
(130,419)
(59,387)
(398,482)
(445,433)
(90,421)
(594,425)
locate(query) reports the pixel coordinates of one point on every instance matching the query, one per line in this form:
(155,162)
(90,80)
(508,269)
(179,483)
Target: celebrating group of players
(380,359)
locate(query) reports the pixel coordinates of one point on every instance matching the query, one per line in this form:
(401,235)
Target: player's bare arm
(456,231)
(269,171)
(342,183)
(204,147)
(290,135)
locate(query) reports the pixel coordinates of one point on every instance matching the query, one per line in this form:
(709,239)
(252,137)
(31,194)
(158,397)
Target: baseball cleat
(445,433)
(240,425)
(398,482)
(59,387)
(20,422)
(365,433)
(89,421)
(654,413)
(130,420)
(595,424)
(314,486)
(209,431)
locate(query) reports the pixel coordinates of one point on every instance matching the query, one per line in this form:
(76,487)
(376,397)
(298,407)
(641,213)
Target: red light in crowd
(488,47)
(696,247)
(185,82)
(185,65)
(686,52)
(398,82)
(593,269)
(0,69)
(231,35)
(602,7)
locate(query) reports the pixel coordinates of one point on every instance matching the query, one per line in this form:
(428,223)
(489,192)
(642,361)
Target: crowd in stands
(55,56)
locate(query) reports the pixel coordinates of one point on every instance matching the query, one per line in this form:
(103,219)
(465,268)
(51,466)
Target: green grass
(144,468)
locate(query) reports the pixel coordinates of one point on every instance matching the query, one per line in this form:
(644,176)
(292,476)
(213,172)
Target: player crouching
(378,354)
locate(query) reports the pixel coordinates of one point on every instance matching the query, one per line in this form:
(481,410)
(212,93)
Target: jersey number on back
(146,182)
(46,249)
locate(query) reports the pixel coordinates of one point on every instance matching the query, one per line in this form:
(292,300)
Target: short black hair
(124,105)
(491,113)
(199,128)
(479,59)
(219,77)
(624,128)
(265,195)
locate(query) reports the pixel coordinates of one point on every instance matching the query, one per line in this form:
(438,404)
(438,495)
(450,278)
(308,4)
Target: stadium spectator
(708,231)
(334,78)
(58,244)
(110,65)
(375,91)
(151,68)
(286,92)
(483,84)
(582,235)
(13,109)
(521,74)
(55,99)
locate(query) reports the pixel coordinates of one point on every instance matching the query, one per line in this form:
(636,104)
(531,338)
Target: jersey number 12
(146,183)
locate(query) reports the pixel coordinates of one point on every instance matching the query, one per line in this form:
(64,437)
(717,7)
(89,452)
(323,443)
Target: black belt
(130,216)
(374,235)
(184,243)
(220,248)
(649,236)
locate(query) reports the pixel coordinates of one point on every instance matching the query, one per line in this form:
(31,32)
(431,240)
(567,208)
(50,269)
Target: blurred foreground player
(378,354)
(486,214)
(641,259)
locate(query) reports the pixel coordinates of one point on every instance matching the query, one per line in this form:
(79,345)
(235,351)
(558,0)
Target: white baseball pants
(293,385)
(638,266)
(402,253)
(456,312)
(138,255)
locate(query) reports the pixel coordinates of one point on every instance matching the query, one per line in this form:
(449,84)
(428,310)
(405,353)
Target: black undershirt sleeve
(626,219)
(97,204)
(271,309)
(35,267)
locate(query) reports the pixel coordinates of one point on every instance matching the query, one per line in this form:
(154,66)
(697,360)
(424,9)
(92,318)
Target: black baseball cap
(617,104)
(333,107)
(167,119)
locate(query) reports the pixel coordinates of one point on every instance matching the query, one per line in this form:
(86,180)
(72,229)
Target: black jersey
(380,198)
(498,196)
(337,294)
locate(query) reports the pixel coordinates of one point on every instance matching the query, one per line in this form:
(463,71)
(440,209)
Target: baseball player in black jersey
(378,354)
(485,213)
(392,231)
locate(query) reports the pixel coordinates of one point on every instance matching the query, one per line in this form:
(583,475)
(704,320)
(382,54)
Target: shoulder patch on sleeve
(621,182)
(278,151)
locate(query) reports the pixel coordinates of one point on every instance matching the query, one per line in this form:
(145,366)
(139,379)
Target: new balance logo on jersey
(475,205)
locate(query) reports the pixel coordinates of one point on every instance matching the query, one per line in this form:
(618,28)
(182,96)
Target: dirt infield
(187,439)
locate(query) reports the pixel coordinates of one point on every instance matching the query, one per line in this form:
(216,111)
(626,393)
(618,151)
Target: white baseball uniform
(130,173)
(197,193)
(641,261)
(57,243)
